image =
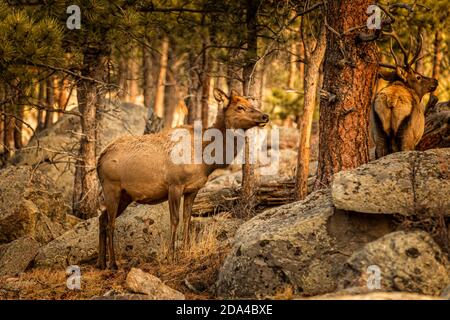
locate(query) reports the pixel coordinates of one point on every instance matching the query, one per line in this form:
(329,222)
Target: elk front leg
(175,194)
(187,211)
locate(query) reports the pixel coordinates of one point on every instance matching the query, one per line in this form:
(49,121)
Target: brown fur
(398,116)
(140,169)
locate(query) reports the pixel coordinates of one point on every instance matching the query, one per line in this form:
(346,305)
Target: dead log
(437,127)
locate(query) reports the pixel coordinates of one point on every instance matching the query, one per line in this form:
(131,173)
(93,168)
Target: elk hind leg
(187,211)
(175,194)
(112,200)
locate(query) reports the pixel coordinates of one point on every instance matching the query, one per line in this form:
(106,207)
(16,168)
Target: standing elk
(398,116)
(141,169)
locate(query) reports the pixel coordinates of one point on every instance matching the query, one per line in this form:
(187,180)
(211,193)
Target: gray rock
(140,233)
(30,205)
(407,261)
(16,256)
(139,281)
(301,245)
(406,183)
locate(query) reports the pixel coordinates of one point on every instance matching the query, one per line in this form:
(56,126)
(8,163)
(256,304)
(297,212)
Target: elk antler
(407,63)
(418,50)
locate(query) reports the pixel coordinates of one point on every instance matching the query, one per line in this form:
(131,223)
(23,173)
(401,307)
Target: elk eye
(241,108)
(418,77)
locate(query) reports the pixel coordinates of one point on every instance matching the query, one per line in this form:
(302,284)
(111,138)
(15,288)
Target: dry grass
(193,272)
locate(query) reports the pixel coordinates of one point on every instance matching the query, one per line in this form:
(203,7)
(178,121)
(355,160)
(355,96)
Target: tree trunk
(123,77)
(170,100)
(420,64)
(437,56)
(147,82)
(50,103)
(344,121)
(160,86)
(85,195)
(248,179)
(41,103)
(18,127)
(206,85)
(311,83)
(133,85)
(292,66)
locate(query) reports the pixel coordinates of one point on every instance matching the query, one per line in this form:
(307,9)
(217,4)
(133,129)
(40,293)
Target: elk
(398,116)
(140,169)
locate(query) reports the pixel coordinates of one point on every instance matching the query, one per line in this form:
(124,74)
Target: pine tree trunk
(292,66)
(160,86)
(147,82)
(420,64)
(133,85)
(344,136)
(49,103)
(311,83)
(437,56)
(123,77)
(41,103)
(248,179)
(85,195)
(205,83)
(18,127)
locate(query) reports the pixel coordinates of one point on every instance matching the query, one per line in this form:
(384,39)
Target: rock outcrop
(30,206)
(140,232)
(300,245)
(406,183)
(404,261)
(17,255)
(141,282)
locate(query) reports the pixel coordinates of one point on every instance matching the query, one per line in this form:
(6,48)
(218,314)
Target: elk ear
(221,97)
(402,73)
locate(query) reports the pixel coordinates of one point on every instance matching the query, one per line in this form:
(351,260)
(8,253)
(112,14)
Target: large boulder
(17,255)
(30,205)
(300,246)
(140,233)
(406,261)
(142,282)
(406,183)
(52,150)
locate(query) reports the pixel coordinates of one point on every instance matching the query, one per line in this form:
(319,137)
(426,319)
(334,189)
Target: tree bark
(122,77)
(206,85)
(344,136)
(133,85)
(248,179)
(437,56)
(311,83)
(50,103)
(147,82)
(85,195)
(160,86)
(292,66)
(41,102)
(18,127)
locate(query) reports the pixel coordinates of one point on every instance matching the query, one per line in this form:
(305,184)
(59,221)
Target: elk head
(239,112)
(404,72)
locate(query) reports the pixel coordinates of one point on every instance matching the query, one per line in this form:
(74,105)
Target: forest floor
(193,272)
